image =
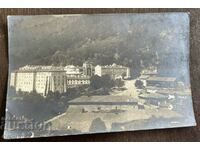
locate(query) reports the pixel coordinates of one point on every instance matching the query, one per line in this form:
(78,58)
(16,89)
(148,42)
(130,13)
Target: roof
(40,68)
(79,77)
(163,79)
(168,91)
(144,77)
(153,96)
(113,66)
(70,66)
(159,88)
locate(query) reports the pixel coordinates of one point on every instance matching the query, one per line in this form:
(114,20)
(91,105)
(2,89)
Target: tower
(87,68)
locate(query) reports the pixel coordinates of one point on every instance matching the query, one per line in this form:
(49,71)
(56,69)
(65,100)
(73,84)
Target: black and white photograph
(94,73)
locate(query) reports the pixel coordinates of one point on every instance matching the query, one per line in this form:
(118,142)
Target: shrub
(139,84)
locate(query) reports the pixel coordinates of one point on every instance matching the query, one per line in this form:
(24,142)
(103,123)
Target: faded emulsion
(80,74)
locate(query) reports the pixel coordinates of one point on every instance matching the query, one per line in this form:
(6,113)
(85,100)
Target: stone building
(78,81)
(88,68)
(147,73)
(162,82)
(72,71)
(115,71)
(43,79)
(151,71)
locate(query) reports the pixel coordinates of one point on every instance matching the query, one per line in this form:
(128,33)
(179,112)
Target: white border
(99,3)
(100,146)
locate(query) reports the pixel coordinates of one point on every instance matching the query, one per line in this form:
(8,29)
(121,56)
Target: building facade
(78,81)
(88,69)
(162,82)
(43,79)
(115,71)
(73,71)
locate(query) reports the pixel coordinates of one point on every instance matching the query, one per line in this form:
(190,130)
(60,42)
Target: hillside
(127,39)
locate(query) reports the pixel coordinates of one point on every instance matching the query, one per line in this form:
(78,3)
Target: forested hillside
(133,40)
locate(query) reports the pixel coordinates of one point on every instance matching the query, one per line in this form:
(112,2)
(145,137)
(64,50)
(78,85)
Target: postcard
(94,73)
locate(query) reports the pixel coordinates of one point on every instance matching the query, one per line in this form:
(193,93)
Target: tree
(96,82)
(53,95)
(97,125)
(119,83)
(139,84)
(33,96)
(49,95)
(107,81)
(123,75)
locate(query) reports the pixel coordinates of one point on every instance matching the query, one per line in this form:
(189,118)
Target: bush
(97,125)
(107,81)
(119,83)
(139,84)
(95,82)
(98,82)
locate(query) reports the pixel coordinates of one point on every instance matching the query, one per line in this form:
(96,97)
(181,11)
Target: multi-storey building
(72,71)
(88,68)
(151,71)
(115,71)
(78,81)
(43,79)
(162,82)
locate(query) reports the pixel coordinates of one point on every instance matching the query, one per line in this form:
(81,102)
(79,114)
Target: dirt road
(130,89)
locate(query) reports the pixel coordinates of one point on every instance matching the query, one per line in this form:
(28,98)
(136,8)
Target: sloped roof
(153,96)
(164,79)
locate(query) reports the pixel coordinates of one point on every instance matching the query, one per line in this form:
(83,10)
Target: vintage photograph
(94,73)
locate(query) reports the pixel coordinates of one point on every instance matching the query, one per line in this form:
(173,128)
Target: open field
(82,121)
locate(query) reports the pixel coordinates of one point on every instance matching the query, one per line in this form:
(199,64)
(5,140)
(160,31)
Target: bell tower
(87,68)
